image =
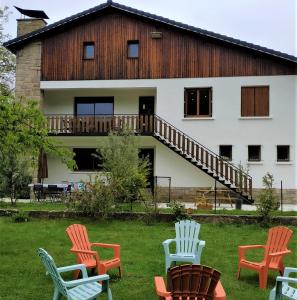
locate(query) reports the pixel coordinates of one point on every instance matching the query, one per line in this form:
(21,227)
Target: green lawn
(22,276)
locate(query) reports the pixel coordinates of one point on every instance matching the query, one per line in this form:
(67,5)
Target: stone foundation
(189,194)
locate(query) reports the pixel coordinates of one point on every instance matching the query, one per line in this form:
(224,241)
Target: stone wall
(189,194)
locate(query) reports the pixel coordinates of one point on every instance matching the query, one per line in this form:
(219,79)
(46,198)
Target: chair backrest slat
(187,282)
(186,236)
(278,239)
(51,268)
(79,237)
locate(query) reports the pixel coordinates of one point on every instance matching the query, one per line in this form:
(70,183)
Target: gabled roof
(14,44)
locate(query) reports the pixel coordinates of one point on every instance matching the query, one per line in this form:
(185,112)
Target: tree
(7,59)
(125,171)
(23,134)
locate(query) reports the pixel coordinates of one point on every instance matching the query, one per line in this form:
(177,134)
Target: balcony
(98,125)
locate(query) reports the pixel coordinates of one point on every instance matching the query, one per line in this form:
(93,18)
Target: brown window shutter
(247,101)
(262,101)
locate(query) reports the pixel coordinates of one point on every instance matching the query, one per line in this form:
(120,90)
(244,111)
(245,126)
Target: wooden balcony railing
(203,157)
(99,124)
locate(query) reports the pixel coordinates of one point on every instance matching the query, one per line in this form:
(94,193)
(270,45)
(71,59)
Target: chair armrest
(286,279)
(161,288)
(81,267)
(77,282)
(116,248)
(166,245)
(243,249)
(220,293)
(280,253)
(289,270)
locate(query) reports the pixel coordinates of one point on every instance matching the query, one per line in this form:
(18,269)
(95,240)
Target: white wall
(167,163)
(225,127)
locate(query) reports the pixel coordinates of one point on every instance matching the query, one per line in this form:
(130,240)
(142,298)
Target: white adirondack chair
(283,290)
(188,246)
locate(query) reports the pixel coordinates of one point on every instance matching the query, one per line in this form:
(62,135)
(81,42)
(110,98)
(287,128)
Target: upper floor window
(283,153)
(226,152)
(255,101)
(198,102)
(133,49)
(89,50)
(254,153)
(88,106)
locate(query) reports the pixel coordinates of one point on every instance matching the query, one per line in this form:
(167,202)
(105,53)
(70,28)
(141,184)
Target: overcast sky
(269,23)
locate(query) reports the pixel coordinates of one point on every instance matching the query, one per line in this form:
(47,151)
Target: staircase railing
(206,159)
(213,163)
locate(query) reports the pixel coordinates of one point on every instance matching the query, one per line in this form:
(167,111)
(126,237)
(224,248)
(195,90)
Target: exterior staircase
(198,155)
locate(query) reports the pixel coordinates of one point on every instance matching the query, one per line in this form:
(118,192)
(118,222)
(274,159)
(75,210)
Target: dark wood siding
(177,54)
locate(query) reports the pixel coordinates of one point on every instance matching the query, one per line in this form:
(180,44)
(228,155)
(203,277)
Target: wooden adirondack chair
(282,288)
(188,246)
(274,250)
(86,288)
(85,255)
(190,282)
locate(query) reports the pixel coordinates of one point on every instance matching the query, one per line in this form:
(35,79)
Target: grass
(23,277)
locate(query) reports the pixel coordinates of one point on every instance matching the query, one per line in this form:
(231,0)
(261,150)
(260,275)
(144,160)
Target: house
(202,102)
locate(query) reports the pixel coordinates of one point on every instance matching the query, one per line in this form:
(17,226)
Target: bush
(266,201)
(179,212)
(97,198)
(20,217)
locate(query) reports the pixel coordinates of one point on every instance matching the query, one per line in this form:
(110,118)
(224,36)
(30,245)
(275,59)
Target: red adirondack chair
(85,255)
(190,282)
(274,250)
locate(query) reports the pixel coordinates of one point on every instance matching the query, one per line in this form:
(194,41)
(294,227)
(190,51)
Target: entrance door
(150,154)
(146,112)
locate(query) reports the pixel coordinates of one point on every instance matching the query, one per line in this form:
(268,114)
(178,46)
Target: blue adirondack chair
(282,288)
(188,246)
(87,288)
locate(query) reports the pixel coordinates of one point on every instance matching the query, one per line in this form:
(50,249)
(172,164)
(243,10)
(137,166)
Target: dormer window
(133,49)
(89,50)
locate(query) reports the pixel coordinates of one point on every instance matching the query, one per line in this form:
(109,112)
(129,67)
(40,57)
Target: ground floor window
(87,159)
(226,152)
(283,153)
(254,153)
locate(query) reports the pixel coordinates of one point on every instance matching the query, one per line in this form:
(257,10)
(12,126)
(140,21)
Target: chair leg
(263,278)
(167,264)
(109,294)
(101,269)
(272,294)
(57,295)
(238,272)
(281,268)
(120,271)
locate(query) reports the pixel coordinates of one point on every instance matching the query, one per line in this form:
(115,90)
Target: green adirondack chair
(188,246)
(87,288)
(282,289)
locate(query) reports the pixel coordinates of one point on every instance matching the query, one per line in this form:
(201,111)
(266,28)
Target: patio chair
(274,250)
(188,246)
(86,288)
(38,191)
(81,246)
(282,288)
(54,192)
(190,282)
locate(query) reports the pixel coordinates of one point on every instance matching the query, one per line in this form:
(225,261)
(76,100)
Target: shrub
(20,217)
(97,198)
(266,201)
(179,212)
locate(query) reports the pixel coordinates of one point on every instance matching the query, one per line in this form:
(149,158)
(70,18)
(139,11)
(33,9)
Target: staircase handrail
(202,146)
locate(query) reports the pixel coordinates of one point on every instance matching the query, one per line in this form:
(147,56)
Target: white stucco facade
(225,127)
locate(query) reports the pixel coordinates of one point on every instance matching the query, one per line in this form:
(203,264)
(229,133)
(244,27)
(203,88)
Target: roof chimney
(29,25)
